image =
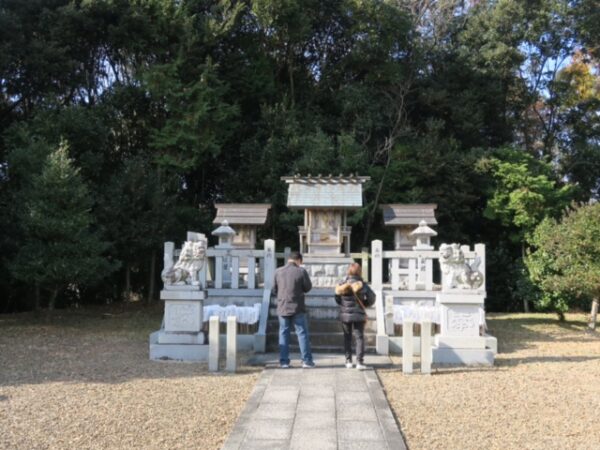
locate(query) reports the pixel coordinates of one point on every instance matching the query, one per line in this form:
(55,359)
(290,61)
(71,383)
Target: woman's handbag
(361,304)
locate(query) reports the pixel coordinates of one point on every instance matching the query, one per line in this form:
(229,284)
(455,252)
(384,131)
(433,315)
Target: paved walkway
(328,407)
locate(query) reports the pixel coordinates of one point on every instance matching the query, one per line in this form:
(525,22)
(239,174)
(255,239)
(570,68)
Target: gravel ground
(82,379)
(543,393)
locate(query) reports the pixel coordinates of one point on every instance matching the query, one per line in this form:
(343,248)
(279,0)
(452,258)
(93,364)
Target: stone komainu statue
(458,274)
(185,270)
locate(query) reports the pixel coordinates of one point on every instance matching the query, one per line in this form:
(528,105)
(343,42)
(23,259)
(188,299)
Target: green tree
(565,260)
(578,88)
(60,248)
(524,192)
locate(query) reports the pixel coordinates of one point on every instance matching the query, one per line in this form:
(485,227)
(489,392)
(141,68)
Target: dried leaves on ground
(543,393)
(82,379)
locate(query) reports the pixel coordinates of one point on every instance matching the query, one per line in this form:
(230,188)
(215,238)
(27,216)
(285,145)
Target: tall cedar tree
(60,248)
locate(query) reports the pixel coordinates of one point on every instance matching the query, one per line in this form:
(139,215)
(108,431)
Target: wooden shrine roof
(409,214)
(343,192)
(242,213)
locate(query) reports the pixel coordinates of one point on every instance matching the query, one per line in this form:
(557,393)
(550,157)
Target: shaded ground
(543,393)
(82,379)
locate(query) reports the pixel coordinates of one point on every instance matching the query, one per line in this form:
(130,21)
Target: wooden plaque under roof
(242,213)
(325,192)
(398,214)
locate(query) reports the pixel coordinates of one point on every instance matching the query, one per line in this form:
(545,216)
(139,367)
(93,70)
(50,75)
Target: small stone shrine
(324,238)
(404,218)
(245,218)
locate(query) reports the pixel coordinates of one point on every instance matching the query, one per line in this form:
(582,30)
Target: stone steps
(329,339)
(321,326)
(336,350)
(325,329)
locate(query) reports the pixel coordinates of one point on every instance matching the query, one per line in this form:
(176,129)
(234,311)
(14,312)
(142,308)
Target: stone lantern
(423,235)
(225,234)
(424,266)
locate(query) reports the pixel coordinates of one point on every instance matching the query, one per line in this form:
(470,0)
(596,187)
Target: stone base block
(177,352)
(182,287)
(463,356)
(326,271)
(244,342)
(382,344)
(260,343)
(460,341)
(183,316)
(492,343)
(180,338)
(396,345)
(182,294)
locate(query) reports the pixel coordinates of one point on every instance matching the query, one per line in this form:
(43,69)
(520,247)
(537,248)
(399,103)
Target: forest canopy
(155,110)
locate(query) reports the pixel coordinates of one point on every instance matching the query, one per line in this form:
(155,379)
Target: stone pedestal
(326,271)
(460,340)
(180,336)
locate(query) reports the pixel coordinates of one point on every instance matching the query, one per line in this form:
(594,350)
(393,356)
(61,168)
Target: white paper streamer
(244,314)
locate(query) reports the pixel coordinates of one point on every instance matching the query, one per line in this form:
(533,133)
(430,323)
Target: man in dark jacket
(290,285)
(354,295)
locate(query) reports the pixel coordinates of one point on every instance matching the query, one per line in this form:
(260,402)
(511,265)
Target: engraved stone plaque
(463,320)
(182,316)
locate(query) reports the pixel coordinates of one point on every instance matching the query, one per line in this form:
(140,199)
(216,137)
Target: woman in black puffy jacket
(354,295)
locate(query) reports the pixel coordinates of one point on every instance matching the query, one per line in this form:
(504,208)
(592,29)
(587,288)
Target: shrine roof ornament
(344,192)
(242,213)
(409,214)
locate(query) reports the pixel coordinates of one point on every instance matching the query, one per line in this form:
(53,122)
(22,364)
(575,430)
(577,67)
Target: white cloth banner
(420,313)
(244,314)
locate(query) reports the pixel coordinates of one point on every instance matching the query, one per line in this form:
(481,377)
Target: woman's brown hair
(355,270)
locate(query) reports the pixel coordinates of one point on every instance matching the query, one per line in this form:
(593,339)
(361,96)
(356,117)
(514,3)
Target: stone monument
(181,336)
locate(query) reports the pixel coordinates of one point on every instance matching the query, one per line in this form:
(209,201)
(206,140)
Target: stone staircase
(325,329)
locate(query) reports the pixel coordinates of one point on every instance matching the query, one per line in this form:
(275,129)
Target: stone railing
(413,270)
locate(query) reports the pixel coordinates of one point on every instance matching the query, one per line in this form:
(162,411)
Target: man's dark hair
(296,256)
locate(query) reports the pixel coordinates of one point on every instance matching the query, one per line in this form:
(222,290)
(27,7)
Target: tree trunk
(152,281)
(36,305)
(525,302)
(371,217)
(594,314)
(127,291)
(52,302)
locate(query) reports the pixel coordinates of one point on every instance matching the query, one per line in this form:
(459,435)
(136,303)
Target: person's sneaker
(308,365)
(361,366)
(349,365)
(284,366)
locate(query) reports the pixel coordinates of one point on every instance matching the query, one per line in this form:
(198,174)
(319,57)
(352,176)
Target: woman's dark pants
(359,332)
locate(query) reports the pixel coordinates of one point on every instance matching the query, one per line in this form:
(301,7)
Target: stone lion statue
(190,262)
(458,274)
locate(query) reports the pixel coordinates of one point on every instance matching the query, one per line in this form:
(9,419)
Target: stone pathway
(328,407)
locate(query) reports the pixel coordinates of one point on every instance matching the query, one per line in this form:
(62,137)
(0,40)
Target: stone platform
(327,407)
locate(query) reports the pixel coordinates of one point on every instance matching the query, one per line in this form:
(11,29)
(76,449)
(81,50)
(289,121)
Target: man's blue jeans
(285,325)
